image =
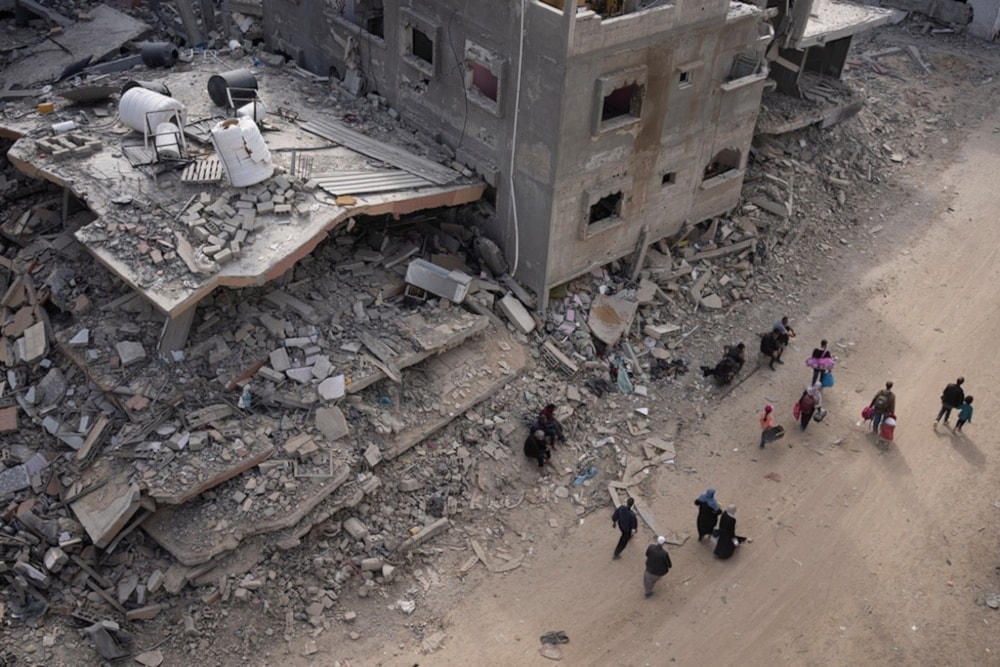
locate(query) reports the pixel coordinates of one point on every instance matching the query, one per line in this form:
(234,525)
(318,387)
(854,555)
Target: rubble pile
(343,431)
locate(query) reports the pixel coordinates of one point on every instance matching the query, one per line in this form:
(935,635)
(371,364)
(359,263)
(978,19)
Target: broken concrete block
(373,455)
(34,344)
(105,512)
(356,529)
(371,564)
(279,360)
(331,423)
(409,485)
(155,581)
(14,479)
(54,559)
(80,339)
(518,315)
(8,420)
(424,534)
(127,586)
(332,388)
(130,352)
(302,375)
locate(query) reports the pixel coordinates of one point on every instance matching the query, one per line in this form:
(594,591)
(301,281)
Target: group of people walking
(713,522)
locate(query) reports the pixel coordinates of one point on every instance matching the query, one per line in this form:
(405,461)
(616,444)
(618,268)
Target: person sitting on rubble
(738,353)
(770,347)
(723,372)
(547,423)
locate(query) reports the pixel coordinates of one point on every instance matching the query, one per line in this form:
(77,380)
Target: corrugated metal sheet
(393,155)
(362,182)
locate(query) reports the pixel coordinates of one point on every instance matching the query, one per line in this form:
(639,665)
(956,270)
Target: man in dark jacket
(536,446)
(625,520)
(951,399)
(657,564)
(770,346)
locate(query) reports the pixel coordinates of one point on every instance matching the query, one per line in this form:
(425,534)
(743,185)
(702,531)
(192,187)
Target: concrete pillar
(175,332)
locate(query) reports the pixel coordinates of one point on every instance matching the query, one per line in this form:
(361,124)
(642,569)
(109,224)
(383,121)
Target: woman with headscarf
(708,513)
(810,401)
(728,539)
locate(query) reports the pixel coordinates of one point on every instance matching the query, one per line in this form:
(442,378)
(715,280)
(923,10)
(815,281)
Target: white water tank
(242,151)
(143,110)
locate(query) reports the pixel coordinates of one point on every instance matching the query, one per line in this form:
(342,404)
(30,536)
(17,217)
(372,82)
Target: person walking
(728,539)
(766,424)
(657,564)
(964,414)
(810,401)
(708,513)
(625,520)
(821,361)
(883,403)
(952,398)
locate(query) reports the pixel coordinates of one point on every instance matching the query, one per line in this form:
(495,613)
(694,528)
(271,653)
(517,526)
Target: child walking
(964,414)
(766,424)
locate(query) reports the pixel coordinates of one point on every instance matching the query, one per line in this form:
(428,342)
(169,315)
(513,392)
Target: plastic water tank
(143,110)
(242,151)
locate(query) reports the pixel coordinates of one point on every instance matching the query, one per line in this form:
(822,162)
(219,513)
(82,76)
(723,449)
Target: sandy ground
(859,556)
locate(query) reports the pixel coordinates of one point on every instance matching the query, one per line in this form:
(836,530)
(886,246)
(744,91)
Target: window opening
(622,101)
(422,46)
(485,81)
(608,206)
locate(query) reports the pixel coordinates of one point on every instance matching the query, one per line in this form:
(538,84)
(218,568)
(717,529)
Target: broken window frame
(493,62)
(607,85)
(432,32)
(593,196)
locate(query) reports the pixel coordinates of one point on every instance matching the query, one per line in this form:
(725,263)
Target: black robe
(727,533)
(707,518)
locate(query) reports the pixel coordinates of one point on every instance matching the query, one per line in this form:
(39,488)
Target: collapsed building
(347,287)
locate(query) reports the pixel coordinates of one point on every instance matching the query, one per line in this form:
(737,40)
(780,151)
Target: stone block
(331,423)
(373,455)
(130,352)
(517,314)
(279,360)
(356,529)
(105,512)
(54,559)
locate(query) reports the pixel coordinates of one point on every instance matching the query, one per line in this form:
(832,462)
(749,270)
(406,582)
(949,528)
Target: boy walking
(964,414)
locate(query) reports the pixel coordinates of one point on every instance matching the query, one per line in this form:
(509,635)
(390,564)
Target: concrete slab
(197,532)
(462,377)
(100,37)
(105,512)
(191,476)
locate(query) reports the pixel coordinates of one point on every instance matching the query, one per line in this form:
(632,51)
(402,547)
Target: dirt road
(859,557)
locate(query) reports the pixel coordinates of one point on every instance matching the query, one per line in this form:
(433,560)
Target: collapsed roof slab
(199,531)
(150,230)
(830,20)
(100,37)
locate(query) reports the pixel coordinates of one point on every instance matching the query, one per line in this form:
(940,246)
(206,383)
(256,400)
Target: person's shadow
(961,443)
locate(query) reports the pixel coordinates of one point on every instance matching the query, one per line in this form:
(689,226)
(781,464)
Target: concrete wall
(565,157)
(985,19)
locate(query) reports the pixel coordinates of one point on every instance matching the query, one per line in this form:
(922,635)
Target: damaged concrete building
(599,129)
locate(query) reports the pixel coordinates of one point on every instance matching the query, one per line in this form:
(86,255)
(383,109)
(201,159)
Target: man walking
(624,519)
(951,399)
(657,564)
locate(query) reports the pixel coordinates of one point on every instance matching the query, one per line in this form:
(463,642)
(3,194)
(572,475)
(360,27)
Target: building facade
(596,130)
